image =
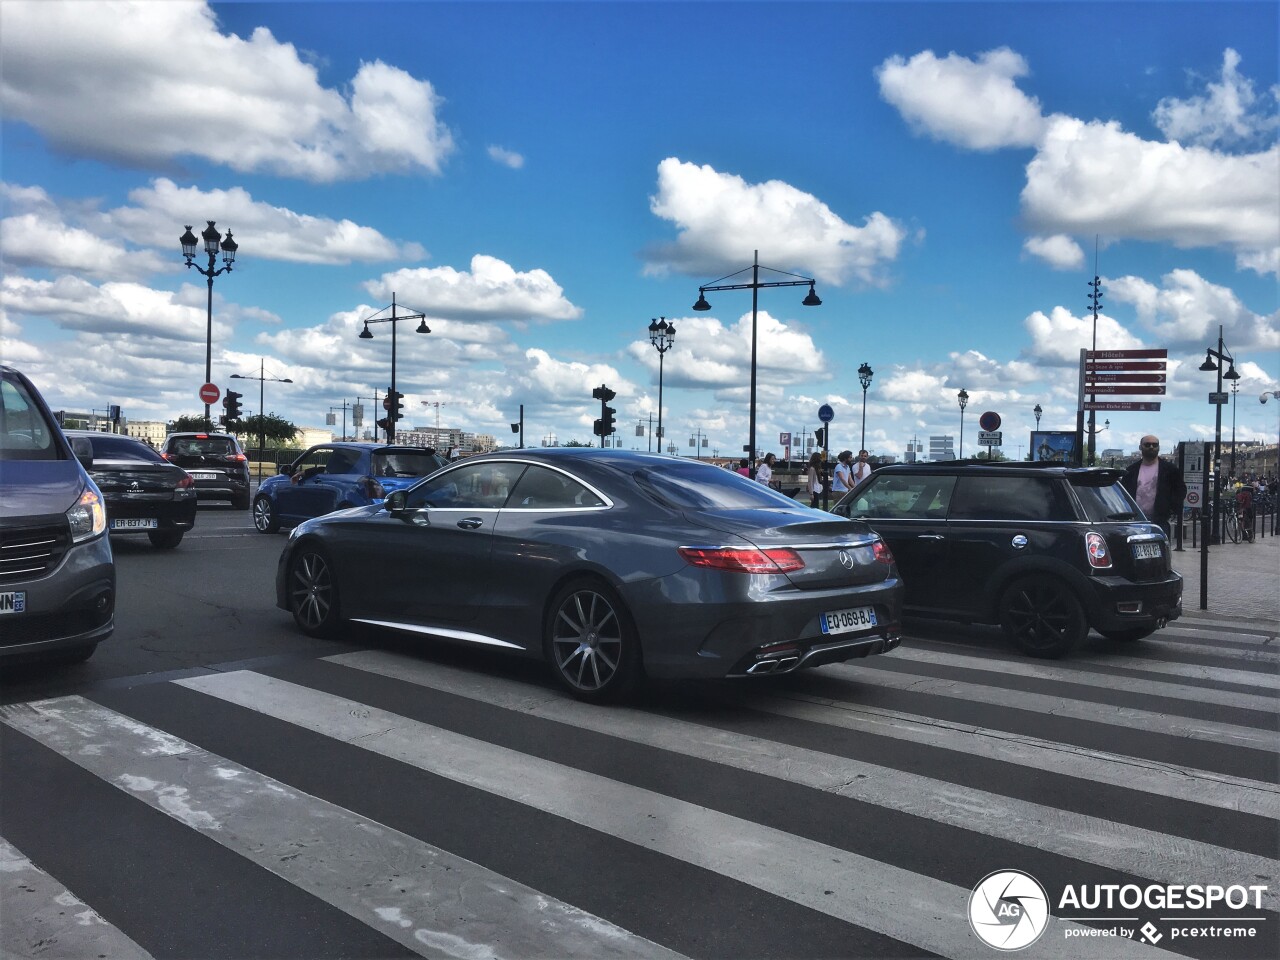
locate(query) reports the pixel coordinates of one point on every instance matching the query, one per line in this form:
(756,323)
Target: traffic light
(383,424)
(604,426)
(821,434)
(231,403)
(395,405)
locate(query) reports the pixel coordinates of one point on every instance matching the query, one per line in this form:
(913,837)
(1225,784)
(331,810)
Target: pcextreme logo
(1008,910)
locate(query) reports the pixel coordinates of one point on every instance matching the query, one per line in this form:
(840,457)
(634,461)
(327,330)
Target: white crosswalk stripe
(430,901)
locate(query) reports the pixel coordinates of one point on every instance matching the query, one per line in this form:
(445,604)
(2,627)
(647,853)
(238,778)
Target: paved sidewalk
(1244,580)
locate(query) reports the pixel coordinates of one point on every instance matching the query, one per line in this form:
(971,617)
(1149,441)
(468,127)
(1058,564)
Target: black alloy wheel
(165,539)
(313,593)
(264,515)
(591,643)
(1042,616)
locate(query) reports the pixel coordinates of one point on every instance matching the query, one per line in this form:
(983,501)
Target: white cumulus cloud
(491,291)
(508,158)
(1228,113)
(1059,251)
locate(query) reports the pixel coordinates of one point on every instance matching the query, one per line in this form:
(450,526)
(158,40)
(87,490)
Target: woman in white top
(814,478)
(764,472)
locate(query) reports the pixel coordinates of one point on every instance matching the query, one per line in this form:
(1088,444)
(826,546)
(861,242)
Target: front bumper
(72,605)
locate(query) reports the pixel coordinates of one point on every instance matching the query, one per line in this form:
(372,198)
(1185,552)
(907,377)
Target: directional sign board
(1123,365)
(1133,372)
(1113,405)
(1110,388)
(989,438)
(1220,399)
(1123,377)
(209,393)
(1096,355)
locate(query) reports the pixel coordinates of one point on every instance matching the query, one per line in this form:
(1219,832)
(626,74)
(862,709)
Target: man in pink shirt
(1156,484)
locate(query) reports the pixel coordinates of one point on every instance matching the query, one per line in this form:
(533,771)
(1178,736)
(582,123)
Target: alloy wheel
(587,641)
(312,594)
(1042,617)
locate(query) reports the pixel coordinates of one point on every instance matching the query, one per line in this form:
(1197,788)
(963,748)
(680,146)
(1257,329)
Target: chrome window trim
(608,501)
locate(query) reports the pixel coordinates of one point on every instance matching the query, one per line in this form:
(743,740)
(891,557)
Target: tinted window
(405,463)
(1107,503)
(314,460)
(924,497)
(702,487)
(1011,498)
(471,487)
(114,447)
(25,434)
(201,446)
(543,489)
(342,461)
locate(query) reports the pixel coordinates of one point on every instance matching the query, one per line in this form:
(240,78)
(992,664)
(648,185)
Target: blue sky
(543,179)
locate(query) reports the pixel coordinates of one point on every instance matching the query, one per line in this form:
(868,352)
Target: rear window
(1107,503)
(202,446)
(405,463)
(25,433)
(109,446)
(1011,498)
(704,487)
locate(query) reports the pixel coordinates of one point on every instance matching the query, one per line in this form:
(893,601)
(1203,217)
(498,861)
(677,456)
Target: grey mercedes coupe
(608,564)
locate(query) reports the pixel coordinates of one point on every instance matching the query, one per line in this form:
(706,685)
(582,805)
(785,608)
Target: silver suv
(57,575)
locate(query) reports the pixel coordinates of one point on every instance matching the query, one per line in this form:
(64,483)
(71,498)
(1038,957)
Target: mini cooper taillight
(744,559)
(1095,545)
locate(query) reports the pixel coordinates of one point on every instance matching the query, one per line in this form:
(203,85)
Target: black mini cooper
(1045,551)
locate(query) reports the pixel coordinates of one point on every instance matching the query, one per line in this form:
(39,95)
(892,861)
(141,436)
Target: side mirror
(83,449)
(395,502)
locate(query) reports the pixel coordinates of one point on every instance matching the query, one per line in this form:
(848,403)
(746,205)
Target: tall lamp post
(1095,302)
(1213,360)
(393,320)
(212,243)
(663,336)
(262,378)
(864,377)
(963,399)
(1235,388)
(755,286)
(1037,411)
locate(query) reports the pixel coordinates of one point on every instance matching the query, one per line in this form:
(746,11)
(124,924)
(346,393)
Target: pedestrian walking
(842,476)
(813,478)
(1156,484)
(764,472)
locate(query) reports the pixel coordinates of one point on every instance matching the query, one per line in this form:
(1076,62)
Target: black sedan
(143,492)
(607,564)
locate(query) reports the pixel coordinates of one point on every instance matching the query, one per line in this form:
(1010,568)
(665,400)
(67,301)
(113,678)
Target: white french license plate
(15,601)
(204,476)
(1146,551)
(847,621)
(135,523)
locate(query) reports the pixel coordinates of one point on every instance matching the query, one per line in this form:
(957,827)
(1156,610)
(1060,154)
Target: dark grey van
(57,575)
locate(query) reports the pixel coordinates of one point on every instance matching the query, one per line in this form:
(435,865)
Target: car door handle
(471,523)
(930,536)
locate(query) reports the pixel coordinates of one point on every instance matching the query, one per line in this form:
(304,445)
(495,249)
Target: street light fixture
(1210,363)
(755,286)
(663,336)
(963,398)
(262,411)
(394,319)
(212,245)
(1037,411)
(864,377)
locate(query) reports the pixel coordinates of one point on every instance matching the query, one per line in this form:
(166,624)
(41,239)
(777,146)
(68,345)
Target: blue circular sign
(825,413)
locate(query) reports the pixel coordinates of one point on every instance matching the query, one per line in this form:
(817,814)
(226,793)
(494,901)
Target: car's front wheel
(264,515)
(313,592)
(1042,616)
(165,539)
(592,646)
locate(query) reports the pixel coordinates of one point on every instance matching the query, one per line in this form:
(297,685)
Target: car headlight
(88,517)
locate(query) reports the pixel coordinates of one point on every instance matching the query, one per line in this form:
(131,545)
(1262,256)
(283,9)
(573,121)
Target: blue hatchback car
(334,476)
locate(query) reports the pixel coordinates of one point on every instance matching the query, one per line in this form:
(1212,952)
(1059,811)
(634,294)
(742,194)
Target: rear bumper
(1119,603)
(168,514)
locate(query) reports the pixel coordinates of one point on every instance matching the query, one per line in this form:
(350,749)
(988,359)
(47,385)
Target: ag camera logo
(1008,910)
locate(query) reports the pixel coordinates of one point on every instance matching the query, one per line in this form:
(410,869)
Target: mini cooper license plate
(15,601)
(1146,551)
(135,523)
(204,476)
(847,621)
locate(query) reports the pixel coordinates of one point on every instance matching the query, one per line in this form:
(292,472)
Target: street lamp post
(394,319)
(1274,394)
(211,239)
(864,377)
(1037,411)
(663,336)
(755,286)
(262,378)
(1095,302)
(963,399)
(1235,388)
(1220,354)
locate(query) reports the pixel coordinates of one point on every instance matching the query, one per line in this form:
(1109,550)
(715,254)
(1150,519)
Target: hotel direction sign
(1131,388)
(1126,355)
(1114,405)
(1091,377)
(1124,365)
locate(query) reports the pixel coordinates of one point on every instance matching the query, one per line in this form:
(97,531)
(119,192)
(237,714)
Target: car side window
(1011,498)
(476,486)
(313,461)
(340,462)
(905,498)
(543,489)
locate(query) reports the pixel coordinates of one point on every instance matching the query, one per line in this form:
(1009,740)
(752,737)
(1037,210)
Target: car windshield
(203,446)
(695,486)
(114,447)
(25,433)
(1111,502)
(405,463)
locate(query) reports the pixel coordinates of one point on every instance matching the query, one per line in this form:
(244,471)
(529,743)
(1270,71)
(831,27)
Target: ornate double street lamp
(212,243)
(393,397)
(864,377)
(963,399)
(262,411)
(755,286)
(1213,360)
(663,336)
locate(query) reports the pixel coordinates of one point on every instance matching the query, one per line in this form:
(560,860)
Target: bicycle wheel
(1230,526)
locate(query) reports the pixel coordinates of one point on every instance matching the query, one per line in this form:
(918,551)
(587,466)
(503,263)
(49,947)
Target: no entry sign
(209,393)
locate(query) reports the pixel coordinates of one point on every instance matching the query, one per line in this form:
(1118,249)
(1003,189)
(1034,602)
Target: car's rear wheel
(264,516)
(313,592)
(1129,635)
(592,646)
(1042,616)
(165,539)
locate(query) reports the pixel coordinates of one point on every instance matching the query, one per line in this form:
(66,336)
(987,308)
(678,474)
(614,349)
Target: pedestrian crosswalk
(384,803)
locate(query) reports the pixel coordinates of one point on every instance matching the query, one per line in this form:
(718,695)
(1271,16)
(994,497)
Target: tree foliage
(186,424)
(272,428)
